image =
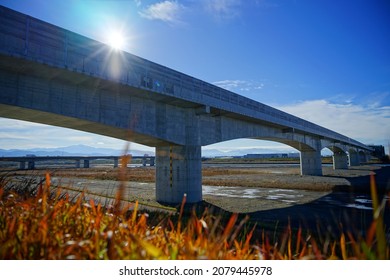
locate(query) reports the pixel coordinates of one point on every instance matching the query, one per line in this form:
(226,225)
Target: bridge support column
(116,162)
(311,163)
(77,163)
(362,157)
(86,163)
(151,161)
(178,173)
(31,165)
(354,159)
(340,160)
(22,165)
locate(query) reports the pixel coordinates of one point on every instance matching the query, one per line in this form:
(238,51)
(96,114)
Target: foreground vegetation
(45,222)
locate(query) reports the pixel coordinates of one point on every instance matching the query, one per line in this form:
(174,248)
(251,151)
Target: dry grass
(138,174)
(46,223)
(213,176)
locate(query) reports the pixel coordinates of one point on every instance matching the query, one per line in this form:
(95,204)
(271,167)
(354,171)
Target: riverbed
(271,194)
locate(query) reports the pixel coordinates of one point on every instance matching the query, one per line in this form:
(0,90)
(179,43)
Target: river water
(286,197)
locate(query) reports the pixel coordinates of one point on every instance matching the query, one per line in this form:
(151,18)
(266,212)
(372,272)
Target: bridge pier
(353,159)
(86,163)
(22,165)
(116,162)
(311,163)
(31,165)
(340,160)
(362,157)
(178,173)
(77,163)
(147,160)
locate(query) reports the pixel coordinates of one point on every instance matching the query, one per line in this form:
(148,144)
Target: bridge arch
(220,129)
(340,157)
(236,145)
(308,146)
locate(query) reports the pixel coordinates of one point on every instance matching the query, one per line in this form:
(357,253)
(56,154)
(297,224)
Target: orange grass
(49,224)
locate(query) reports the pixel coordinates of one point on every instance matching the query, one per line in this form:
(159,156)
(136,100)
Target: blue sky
(325,61)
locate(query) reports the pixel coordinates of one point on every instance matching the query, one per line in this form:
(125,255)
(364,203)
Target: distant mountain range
(83,150)
(75,150)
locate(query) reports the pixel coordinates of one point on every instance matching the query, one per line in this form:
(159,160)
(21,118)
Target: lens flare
(116,40)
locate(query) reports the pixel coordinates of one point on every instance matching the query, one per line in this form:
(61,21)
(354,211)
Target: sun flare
(116,40)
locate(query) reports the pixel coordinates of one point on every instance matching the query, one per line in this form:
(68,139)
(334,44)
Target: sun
(116,40)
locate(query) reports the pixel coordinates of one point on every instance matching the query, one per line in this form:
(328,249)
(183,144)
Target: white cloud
(239,85)
(167,11)
(16,134)
(223,9)
(369,124)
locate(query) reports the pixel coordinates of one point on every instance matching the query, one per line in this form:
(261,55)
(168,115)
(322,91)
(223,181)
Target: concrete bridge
(53,76)
(32,159)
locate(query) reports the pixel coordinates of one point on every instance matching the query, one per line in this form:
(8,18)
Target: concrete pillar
(116,162)
(77,163)
(311,163)
(86,163)
(22,165)
(144,160)
(31,164)
(152,161)
(178,172)
(353,159)
(363,157)
(340,160)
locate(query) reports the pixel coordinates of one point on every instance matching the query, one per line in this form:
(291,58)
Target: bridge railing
(32,39)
